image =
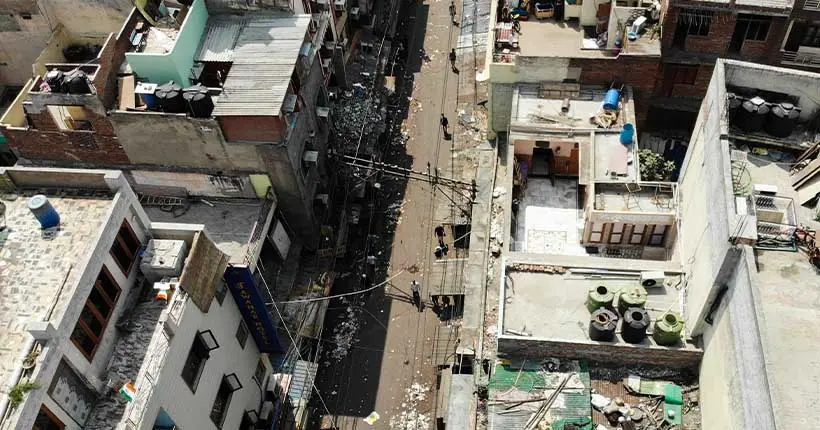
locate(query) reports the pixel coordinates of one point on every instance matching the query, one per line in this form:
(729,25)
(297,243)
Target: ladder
(148,200)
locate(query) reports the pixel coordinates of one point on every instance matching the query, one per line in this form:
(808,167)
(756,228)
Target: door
(736,43)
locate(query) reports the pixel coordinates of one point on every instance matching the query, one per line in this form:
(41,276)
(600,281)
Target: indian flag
(128,391)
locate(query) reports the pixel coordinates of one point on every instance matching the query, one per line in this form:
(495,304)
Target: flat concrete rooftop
(614,161)
(551,38)
(635,197)
(534,107)
(549,219)
(553,306)
(36,263)
(787,294)
(229,223)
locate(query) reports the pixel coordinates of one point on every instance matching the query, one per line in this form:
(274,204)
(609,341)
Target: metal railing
(800,58)
(135,411)
(811,5)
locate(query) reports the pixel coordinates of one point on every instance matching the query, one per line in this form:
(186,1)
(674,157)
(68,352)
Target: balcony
(805,56)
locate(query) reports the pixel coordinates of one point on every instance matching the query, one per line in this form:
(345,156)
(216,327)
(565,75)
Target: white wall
(192,410)
(707,206)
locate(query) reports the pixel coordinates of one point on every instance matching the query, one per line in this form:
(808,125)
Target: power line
(318,299)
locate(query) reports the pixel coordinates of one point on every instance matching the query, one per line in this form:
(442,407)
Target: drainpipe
(15,378)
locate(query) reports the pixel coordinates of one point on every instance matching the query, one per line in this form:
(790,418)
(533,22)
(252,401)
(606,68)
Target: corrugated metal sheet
(302,383)
(265,56)
(221,34)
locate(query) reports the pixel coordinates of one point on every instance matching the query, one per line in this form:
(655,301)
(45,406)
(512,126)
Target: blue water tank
(43,211)
(628,134)
(611,99)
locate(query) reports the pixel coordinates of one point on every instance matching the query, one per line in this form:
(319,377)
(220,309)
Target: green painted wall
(175,65)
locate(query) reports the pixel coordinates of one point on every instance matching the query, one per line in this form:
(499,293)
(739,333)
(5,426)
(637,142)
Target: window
(259,373)
(617,234)
(637,234)
(249,419)
(658,236)
(70,117)
(699,21)
(756,26)
(812,37)
(125,248)
(46,420)
(684,75)
(221,290)
(25,15)
(204,343)
(95,314)
(222,402)
(242,334)
(597,232)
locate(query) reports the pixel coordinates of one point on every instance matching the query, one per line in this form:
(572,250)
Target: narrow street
(390,366)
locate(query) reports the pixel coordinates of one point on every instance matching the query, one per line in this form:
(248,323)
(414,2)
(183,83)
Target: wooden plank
(128,99)
(809,190)
(809,152)
(807,173)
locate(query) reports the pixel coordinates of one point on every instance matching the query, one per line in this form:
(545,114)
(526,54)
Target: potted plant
(31,360)
(19,391)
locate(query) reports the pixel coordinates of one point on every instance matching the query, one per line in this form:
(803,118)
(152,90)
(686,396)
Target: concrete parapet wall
(614,353)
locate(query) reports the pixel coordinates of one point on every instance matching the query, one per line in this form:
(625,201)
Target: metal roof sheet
(265,56)
(219,40)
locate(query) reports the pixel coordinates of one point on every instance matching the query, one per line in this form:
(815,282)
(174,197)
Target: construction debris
(537,268)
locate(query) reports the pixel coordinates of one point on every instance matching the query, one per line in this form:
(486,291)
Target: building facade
(279,126)
(136,323)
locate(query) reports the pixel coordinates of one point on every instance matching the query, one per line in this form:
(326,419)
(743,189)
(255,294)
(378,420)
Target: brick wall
(110,59)
(252,128)
(696,90)
(641,72)
(767,51)
(619,354)
(45,141)
(717,41)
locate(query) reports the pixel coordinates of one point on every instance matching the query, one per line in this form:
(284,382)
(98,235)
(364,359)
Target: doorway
(681,31)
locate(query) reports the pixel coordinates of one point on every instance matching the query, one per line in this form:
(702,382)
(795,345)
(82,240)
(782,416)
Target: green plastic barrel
(668,329)
(599,297)
(633,297)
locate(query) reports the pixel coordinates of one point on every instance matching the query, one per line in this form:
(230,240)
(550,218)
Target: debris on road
(410,418)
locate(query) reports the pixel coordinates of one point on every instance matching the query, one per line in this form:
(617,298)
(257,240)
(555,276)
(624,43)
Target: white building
(81,319)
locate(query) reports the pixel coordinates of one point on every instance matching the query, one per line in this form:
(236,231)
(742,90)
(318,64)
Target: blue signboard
(247,297)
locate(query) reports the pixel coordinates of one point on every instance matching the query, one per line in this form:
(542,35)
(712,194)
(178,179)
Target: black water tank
(751,116)
(633,329)
(782,119)
(734,102)
(54,79)
(200,104)
(170,97)
(76,82)
(602,325)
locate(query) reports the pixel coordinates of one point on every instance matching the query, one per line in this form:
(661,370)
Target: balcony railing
(805,59)
(811,5)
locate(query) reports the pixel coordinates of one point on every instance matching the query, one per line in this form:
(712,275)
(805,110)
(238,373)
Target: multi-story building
(121,316)
(590,43)
(696,34)
(28,26)
(260,108)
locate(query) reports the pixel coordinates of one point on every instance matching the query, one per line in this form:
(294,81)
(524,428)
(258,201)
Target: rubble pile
(410,418)
(344,332)
(360,113)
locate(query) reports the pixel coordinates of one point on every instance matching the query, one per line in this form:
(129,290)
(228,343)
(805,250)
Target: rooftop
(529,293)
(265,56)
(614,161)
(36,263)
(567,39)
(636,197)
(538,108)
(230,223)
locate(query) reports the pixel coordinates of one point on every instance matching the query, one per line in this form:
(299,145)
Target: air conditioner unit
(354,12)
(310,156)
(339,4)
(326,64)
(290,103)
(652,279)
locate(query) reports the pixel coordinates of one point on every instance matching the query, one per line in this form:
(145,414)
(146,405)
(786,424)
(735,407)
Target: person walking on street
(453,11)
(414,289)
(453,60)
(444,124)
(440,235)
